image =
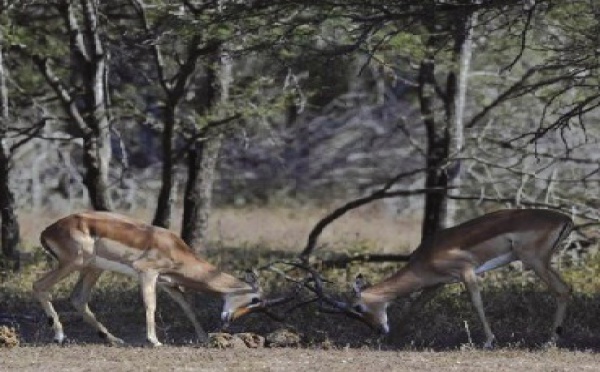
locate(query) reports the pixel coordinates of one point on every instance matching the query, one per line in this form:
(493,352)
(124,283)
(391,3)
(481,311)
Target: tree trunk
(443,132)
(203,158)
(10,237)
(438,141)
(90,60)
(86,104)
(162,214)
(462,54)
(10,223)
(202,162)
(435,203)
(96,157)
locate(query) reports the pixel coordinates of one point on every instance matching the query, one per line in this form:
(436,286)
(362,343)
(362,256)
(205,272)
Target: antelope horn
(318,289)
(270,302)
(336,307)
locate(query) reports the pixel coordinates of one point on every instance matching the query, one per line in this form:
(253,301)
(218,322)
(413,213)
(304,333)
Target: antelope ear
(359,284)
(251,278)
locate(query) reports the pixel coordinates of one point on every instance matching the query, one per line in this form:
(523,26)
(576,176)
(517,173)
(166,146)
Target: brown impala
(93,242)
(460,253)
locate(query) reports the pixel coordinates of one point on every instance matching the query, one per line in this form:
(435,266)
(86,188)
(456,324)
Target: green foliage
(404,45)
(584,277)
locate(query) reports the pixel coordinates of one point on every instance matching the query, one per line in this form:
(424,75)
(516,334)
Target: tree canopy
(141,103)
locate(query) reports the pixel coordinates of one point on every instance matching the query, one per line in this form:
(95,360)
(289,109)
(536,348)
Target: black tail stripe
(47,248)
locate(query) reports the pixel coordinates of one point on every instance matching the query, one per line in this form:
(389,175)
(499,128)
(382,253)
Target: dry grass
(281,228)
(288,229)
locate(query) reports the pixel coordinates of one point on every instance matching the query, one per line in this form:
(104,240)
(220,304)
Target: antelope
(460,254)
(94,242)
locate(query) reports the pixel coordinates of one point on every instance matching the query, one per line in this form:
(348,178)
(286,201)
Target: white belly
(104,264)
(495,262)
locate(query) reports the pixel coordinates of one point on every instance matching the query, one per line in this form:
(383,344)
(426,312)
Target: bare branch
(61,91)
(382,193)
(31,133)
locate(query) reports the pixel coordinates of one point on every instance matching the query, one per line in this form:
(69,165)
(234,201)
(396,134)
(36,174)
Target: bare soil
(181,358)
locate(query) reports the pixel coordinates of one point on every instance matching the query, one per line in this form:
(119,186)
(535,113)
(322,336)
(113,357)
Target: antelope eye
(255,301)
(358,308)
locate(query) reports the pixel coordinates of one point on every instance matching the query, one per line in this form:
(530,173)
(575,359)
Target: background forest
(442,110)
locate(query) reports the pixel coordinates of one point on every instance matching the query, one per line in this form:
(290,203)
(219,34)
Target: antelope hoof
(154,343)
(60,340)
(64,342)
(115,341)
(110,339)
(489,344)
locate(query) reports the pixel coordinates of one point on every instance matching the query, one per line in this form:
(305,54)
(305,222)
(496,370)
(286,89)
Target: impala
(459,254)
(93,242)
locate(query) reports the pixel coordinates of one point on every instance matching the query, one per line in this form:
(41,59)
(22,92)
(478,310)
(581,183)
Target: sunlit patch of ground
(100,358)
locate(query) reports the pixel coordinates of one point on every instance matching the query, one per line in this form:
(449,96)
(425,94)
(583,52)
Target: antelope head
(370,309)
(362,307)
(240,303)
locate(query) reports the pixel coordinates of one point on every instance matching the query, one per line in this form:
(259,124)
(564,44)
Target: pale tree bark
(91,59)
(203,157)
(463,52)
(445,138)
(88,111)
(10,237)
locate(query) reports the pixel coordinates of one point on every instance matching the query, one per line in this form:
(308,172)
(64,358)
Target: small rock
(220,340)
(326,345)
(8,337)
(251,340)
(238,343)
(283,337)
(223,340)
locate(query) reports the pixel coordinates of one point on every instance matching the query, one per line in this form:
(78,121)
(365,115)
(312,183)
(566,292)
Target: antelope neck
(206,278)
(401,284)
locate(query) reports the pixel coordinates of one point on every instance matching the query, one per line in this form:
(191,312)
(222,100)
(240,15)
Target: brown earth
(178,358)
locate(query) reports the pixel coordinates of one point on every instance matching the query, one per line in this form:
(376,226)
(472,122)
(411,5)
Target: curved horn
(336,306)
(333,306)
(269,302)
(359,284)
(251,279)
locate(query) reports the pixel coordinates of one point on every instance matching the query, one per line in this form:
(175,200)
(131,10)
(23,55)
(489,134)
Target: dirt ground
(182,358)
